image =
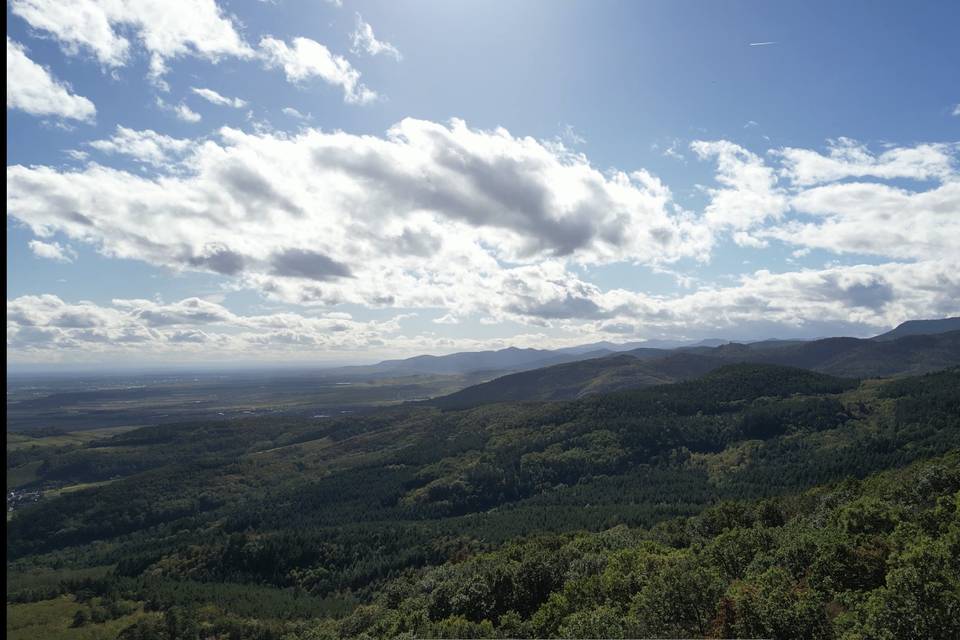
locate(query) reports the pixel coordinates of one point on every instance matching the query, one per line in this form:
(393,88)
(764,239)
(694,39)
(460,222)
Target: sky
(327,182)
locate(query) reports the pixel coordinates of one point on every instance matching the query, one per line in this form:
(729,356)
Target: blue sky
(347,181)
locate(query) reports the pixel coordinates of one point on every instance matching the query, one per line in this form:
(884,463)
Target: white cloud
(293,113)
(307,59)
(491,226)
(956,110)
(166,29)
(32,89)
(849,159)
(186,114)
(848,217)
(146,146)
(181,111)
(877,219)
(52,251)
(744,239)
(835,300)
(364,41)
(212,96)
(47,327)
(861,298)
(750,194)
(112,30)
(425,216)
(84,24)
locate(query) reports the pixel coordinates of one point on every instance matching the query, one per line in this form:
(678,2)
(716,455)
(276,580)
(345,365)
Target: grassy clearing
(17,441)
(721,465)
(52,619)
(75,487)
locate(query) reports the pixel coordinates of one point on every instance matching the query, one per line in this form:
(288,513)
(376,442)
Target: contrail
(761,44)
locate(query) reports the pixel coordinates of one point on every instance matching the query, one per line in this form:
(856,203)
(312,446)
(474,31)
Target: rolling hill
(576,379)
(509,359)
(847,357)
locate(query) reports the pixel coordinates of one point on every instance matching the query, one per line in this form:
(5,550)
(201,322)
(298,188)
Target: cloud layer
(46,328)
(491,226)
(429,215)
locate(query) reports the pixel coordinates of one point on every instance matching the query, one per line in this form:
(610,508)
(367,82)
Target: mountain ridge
(920,327)
(845,357)
(516,359)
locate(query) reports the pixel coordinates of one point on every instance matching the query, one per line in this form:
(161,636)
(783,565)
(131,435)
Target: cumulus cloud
(749,193)
(113,31)
(217,257)
(877,219)
(847,158)
(303,263)
(870,295)
(190,311)
(860,298)
(166,29)
(744,239)
(186,114)
(145,146)
(52,251)
(425,216)
(306,59)
(492,226)
(32,89)
(815,205)
(213,97)
(364,41)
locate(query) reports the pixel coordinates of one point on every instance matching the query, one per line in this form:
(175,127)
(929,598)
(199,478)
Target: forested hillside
(852,357)
(563,518)
(871,559)
(920,327)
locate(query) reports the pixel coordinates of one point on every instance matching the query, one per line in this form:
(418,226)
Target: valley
(326,518)
(476,503)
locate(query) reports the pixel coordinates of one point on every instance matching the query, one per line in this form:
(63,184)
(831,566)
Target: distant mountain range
(912,353)
(645,344)
(514,359)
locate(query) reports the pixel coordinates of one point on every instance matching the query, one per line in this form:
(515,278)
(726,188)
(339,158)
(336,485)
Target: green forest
(755,501)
